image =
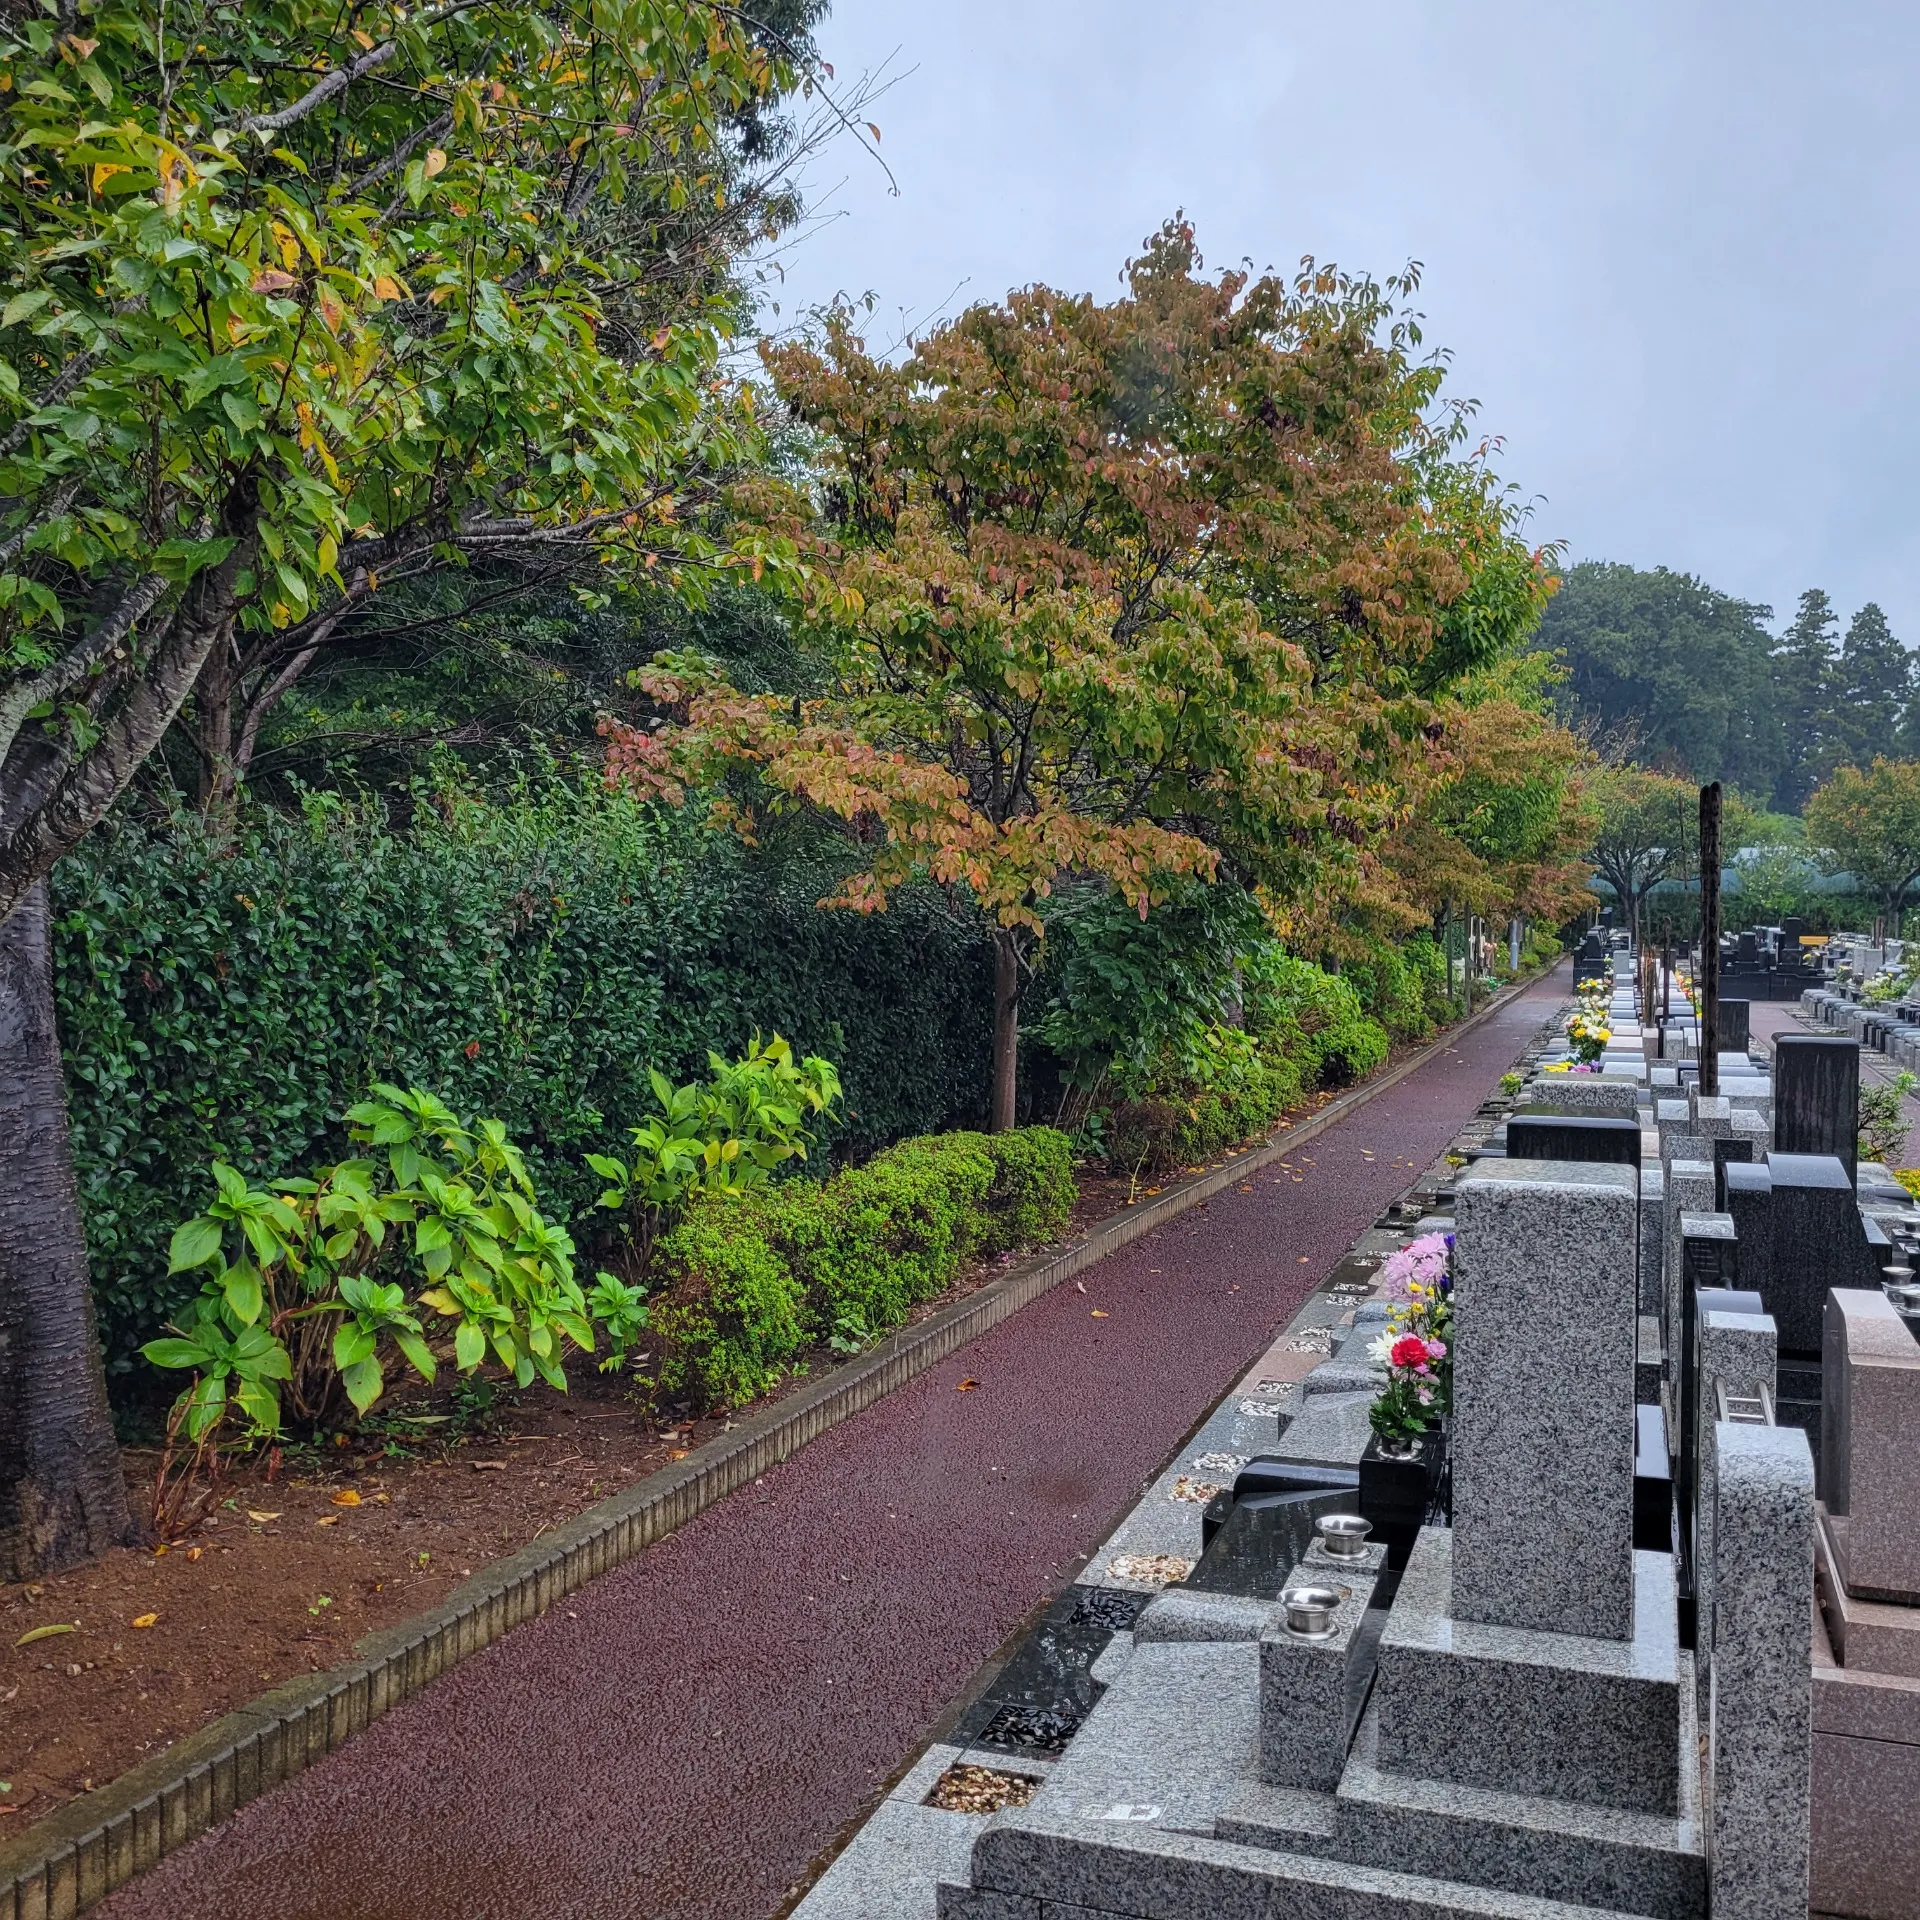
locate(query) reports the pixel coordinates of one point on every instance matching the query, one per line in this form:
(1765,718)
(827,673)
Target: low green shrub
(1033,1187)
(747,1282)
(1168,1130)
(728,1304)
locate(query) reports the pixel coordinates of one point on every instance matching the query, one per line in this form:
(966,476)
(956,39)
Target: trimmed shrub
(1033,1187)
(1170,1131)
(1314,1018)
(873,1242)
(729,1306)
(747,1283)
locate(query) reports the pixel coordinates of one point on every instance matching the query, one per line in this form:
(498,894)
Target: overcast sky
(1671,246)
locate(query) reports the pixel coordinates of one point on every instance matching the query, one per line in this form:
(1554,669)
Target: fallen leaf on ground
(42,1633)
(263,1518)
(346,1497)
(967,1385)
(194,1553)
(1079,1286)
(1098,1315)
(146,1619)
(489,1466)
(679,1453)
(332,1520)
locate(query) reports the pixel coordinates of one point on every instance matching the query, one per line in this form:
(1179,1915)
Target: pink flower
(1436,1349)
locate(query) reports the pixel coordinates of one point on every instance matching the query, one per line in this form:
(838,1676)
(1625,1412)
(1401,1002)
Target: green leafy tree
(1648,831)
(299,302)
(1674,671)
(1867,823)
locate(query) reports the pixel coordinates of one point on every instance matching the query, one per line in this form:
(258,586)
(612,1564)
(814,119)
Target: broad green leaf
(173,1352)
(194,1244)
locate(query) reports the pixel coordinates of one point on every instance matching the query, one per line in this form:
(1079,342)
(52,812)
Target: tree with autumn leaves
(1142,590)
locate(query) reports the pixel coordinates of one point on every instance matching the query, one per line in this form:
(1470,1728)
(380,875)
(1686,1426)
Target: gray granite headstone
(1543,1397)
(1761,1723)
(1690,1189)
(1870,1446)
(1741,1352)
(1653,1223)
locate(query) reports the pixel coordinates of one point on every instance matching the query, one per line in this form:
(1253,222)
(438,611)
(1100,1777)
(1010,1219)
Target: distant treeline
(1692,680)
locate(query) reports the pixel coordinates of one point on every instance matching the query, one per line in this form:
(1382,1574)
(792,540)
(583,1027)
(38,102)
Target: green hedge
(1405,987)
(746,1284)
(529,957)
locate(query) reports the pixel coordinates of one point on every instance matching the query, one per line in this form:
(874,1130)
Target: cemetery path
(681,1738)
(1766,1018)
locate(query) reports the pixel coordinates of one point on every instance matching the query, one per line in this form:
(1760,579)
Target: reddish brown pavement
(679,1740)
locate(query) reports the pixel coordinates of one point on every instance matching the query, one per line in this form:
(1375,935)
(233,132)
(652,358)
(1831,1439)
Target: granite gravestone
(1870,1447)
(1735,1032)
(1816,1098)
(1760,1732)
(1544,1398)
(1596,1138)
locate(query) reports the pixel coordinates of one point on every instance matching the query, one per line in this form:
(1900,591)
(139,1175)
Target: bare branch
(341,78)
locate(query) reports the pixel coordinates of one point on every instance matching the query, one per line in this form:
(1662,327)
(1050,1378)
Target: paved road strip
(70,1861)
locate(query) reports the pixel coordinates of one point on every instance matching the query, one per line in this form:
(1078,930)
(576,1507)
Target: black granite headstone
(1818,1242)
(1597,1138)
(1816,1099)
(1746,1195)
(1727,1153)
(1735,1032)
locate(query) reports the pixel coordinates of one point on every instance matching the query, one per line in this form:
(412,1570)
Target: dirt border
(83,1851)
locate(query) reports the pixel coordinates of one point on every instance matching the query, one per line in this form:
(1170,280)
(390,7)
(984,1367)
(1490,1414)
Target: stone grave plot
(1514,1727)
(1866,1695)
(1205,1584)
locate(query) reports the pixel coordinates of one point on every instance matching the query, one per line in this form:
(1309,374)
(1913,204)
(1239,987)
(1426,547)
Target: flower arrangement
(1417,1347)
(1589,1034)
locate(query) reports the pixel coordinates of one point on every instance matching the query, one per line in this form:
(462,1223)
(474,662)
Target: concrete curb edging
(77,1855)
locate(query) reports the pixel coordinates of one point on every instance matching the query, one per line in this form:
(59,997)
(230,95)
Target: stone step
(1557,1715)
(1029,1865)
(1551,1849)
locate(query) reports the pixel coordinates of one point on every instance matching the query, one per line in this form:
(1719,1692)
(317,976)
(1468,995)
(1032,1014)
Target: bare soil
(312,1550)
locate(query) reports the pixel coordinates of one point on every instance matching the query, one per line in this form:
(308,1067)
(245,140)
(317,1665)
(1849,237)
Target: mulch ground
(294,1567)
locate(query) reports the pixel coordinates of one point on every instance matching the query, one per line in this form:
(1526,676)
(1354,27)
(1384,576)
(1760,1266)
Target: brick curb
(80,1853)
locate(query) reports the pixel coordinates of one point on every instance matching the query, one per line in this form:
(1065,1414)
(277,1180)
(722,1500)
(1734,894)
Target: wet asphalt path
(680,1739)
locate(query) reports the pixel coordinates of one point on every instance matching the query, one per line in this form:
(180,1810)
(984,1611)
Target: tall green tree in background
(1873,690)
(302,301)
(1669,670)
(1804,666)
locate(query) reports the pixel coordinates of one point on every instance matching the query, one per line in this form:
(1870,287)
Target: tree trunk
(1006,1026)
(213,729)
(62,1495)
